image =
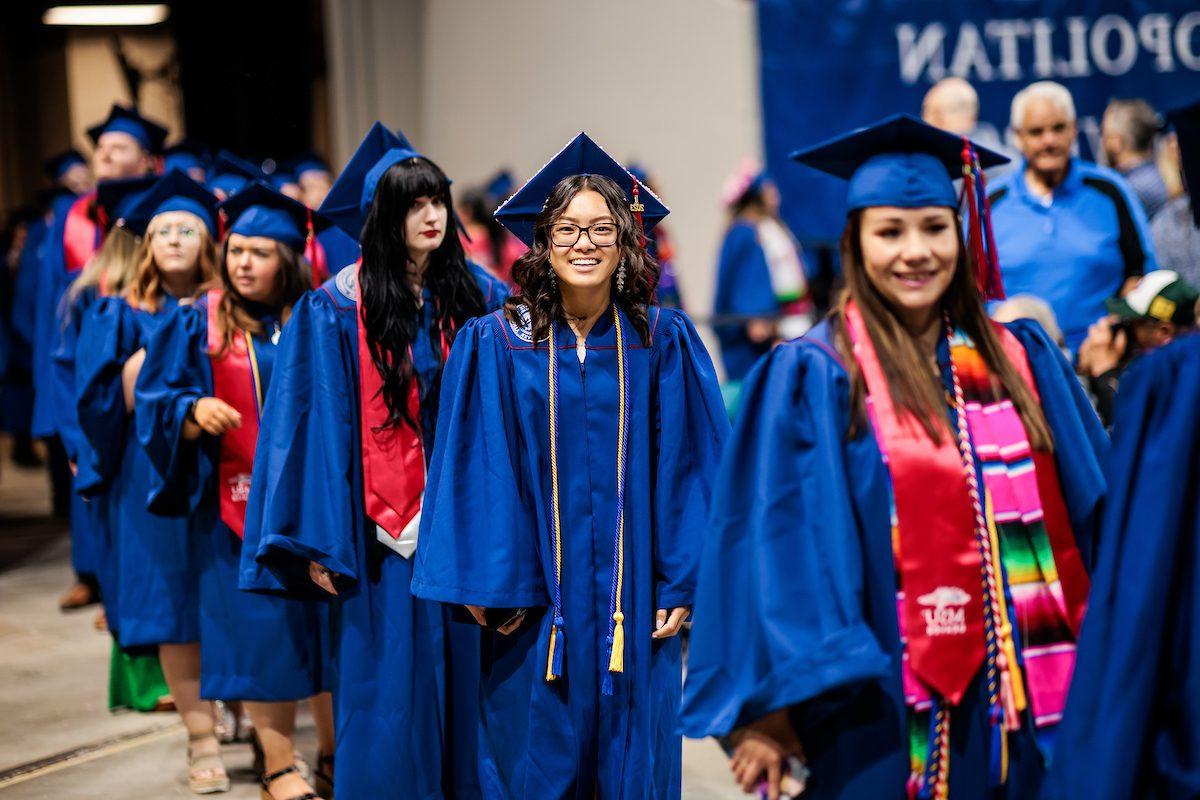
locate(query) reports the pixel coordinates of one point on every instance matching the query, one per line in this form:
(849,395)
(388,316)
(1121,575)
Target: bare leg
(322,711)
(181,667)
(275,724)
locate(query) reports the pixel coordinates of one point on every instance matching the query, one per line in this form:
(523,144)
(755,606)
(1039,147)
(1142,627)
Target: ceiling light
(113,15)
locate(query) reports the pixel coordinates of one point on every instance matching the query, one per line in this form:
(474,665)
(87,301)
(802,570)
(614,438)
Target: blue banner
(833,65)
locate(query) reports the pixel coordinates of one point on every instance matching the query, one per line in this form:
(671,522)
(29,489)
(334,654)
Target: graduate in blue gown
(895,572)
(577,441)
(200,398)
(326,522)
(125,143)
(1134,709)
(150,579)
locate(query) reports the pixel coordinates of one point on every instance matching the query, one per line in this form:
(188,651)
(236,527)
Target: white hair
(1050,91)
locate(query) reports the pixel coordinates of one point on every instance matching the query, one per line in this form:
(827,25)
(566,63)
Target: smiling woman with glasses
(577,435)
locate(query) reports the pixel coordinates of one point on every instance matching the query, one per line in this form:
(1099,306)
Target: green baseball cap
(1161,295)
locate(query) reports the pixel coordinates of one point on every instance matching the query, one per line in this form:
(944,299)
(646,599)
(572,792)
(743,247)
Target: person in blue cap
(333,247)
(150,578)
(199,410)
(896,564)
(336,495)
(313,175)
(231,173)
(70,170)
(189,156)
(1134,708)
(126,143)
(577,438)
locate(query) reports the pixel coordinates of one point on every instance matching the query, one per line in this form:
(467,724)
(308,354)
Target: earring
(621,276)
(553,277)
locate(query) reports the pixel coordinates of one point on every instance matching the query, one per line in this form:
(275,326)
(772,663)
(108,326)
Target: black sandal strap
(268,779)
(324,759)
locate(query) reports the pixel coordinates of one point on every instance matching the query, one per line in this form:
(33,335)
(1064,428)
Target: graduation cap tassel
(638,209)
(222,221)
(995,279)
(974,233)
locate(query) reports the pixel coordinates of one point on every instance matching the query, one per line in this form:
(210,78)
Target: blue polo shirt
(1073,249)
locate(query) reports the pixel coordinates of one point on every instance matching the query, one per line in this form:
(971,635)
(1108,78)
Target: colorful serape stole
(1034,643)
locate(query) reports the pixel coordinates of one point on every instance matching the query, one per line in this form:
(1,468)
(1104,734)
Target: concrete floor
(57,738)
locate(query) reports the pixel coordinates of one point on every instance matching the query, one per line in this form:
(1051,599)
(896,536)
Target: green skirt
(135,680)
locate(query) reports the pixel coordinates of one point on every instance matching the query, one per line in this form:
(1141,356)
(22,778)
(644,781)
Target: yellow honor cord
(258,395)
(616,662)
(550,674)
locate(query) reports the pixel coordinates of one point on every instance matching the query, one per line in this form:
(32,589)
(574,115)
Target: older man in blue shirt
(1067,231)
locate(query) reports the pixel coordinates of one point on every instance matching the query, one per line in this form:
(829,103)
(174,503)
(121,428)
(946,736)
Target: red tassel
(974,231)
(995,289)
(222,221)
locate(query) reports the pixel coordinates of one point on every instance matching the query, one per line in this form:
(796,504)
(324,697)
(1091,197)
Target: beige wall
(670,83)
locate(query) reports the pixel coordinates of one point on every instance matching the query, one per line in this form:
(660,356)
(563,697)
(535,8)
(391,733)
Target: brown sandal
(323,776)
(267,780)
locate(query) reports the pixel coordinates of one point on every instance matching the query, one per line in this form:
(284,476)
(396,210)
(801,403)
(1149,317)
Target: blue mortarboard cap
(899,161)
(58,165)
(231,173)
(119,197)
(1186,122)
(581,156)
(175,191)
(187,154)
(352,193)
(307,162)
(281,179)
(259,210)
(501,185)
(125,119)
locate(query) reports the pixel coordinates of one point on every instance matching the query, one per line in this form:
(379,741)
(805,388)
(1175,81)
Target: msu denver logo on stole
(944,613)
(240,488)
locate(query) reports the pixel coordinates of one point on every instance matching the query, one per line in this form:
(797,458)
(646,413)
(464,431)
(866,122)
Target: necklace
(616,624)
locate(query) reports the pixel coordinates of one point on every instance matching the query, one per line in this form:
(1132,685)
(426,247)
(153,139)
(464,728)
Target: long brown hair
(532,271)
(146,292)
(913,388)
(293,280)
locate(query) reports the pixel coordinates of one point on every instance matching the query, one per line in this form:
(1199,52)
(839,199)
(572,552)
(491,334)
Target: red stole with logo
(236,381)
(393,457)
(81,234)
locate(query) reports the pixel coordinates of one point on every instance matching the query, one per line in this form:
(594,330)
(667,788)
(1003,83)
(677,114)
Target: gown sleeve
(107,338)
(68,318)
(691,426)
(1131,718)
(779,616)
(176,372)
(302,490)
(1081,445)
(478,538)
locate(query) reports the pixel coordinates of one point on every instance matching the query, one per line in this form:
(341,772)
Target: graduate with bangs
(199,410)
(578,436)
(896,568)
(150,580)
(336,496)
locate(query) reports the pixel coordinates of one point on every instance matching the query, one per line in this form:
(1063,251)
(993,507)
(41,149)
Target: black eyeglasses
(600,234)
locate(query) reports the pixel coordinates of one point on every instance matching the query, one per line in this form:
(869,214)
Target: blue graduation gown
(796,607)
(486,539)
(743,290)
(407,677)
(150,572)
(59,385)
(18,378)
(1134,708)
(252,647)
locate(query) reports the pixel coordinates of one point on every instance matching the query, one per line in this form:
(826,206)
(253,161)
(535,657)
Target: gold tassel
(550,655)
(616,662)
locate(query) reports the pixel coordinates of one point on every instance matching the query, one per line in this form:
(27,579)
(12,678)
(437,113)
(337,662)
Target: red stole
(81,234)
(940,564)
(393,458)
(236,381)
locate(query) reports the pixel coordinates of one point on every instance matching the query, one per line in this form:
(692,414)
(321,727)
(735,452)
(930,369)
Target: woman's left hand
(667,624)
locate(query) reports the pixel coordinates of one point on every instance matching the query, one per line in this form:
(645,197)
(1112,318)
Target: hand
(322,577)
(1103,348)
(763,748)
(480,615)
(761,330)
(215,416)
(74,468)
(666,626)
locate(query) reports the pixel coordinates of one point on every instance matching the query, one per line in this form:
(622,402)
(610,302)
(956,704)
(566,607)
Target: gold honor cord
(258,395)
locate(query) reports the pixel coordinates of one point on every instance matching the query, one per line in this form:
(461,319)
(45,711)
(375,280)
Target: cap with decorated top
(352,193)
(175,191)
(259,210)
(117,198)
(581,156)
(126,119)
(1159,295)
